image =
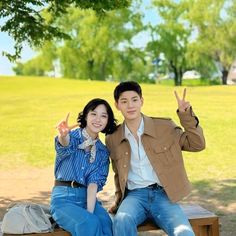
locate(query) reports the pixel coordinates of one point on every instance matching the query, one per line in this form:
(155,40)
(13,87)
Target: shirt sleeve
(99,174)
(66,151)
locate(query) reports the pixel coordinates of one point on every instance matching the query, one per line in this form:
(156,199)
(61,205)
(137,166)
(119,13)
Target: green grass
(31,108)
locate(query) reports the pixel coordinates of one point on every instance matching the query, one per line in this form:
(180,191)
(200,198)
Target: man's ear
(116,105)
(142,101)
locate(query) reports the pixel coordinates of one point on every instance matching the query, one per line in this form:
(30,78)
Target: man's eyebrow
(136,96)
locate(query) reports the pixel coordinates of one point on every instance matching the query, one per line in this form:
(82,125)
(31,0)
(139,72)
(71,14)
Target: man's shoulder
(161,118)
(116,133)
(159,122)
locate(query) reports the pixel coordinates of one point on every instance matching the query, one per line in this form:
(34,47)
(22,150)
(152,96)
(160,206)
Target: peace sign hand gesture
(63,127)
(182,104)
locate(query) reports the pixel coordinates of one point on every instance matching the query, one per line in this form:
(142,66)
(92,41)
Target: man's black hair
(127,86)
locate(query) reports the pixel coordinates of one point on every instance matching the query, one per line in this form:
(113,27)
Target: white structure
(231,79)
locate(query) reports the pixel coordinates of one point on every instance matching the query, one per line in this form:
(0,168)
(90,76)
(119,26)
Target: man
(147,161)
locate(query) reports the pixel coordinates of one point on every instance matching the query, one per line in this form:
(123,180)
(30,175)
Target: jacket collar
(149,129)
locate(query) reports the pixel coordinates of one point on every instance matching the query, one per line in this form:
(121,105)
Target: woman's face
(96,120)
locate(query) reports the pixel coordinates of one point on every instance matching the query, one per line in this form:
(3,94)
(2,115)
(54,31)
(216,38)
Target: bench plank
(203,222)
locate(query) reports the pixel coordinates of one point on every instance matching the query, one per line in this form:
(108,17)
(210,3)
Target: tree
(90,53)
(24,20)
(100,48)
(170,36)
(214,44)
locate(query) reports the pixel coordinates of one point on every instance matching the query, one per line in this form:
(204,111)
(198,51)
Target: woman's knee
(91,226)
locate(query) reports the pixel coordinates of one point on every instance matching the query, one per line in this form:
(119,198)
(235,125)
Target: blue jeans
(68,208)
(153,203)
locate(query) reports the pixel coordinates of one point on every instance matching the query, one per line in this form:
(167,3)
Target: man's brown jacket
(163,142)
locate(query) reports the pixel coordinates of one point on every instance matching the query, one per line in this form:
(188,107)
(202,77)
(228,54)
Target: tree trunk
(90,68)
(224,76)
(178,77)
(103,71)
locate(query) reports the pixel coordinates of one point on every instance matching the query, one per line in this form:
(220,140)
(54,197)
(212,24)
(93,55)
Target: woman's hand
(63,130)
(63,127)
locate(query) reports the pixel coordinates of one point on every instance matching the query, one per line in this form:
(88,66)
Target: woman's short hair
(91,105)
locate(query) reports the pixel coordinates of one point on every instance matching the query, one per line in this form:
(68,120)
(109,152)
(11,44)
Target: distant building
(231,79)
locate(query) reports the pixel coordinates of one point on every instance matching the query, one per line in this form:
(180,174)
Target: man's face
(129,104)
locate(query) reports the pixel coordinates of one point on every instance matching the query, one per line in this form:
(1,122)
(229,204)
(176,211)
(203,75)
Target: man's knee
(183,230)
(123,218)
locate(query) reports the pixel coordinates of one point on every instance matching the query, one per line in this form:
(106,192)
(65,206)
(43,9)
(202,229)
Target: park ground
(31,108)
(34,185)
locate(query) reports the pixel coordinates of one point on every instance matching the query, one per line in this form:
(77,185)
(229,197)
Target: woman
(81,169)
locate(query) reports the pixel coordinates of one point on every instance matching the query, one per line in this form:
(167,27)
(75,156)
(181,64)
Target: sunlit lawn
(31,108)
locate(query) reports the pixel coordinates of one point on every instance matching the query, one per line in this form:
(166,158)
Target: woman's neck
(91,134)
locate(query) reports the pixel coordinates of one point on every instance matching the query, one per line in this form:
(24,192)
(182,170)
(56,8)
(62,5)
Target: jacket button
(124,166)
(126,153)
(165,148)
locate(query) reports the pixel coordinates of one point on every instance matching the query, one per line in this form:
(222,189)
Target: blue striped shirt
(73,163)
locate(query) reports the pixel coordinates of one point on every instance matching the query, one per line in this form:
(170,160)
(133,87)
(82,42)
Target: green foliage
(100,48)
(215,26)
(24,21)
(190,35)
(170,36)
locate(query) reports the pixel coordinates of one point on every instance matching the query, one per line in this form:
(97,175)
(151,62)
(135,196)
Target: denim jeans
(68,208)
(153,203)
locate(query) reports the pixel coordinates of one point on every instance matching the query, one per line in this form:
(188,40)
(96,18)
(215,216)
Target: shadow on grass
(218,197)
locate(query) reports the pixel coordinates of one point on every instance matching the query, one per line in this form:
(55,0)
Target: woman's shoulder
(101,146)
(76,133)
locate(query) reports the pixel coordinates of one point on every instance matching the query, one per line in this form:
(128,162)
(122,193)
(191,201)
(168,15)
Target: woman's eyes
(94,114)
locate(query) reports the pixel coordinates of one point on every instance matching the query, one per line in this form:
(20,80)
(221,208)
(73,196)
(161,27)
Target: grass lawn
(31,108)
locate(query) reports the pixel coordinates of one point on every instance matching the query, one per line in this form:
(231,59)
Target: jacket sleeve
(192,138)
(118,193)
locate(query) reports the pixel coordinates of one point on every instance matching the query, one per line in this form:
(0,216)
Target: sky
(7,43)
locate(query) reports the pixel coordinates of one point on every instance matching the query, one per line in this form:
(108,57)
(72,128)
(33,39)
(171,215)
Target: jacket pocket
(168,154)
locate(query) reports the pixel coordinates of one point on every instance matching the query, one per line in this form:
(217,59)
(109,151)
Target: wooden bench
(203,222)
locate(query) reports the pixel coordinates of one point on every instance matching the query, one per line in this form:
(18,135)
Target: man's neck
(134,124)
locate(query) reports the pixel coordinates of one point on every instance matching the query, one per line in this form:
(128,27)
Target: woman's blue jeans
(153,203)
(68,208)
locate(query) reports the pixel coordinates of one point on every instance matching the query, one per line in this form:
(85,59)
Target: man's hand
(182,104)
(112,209)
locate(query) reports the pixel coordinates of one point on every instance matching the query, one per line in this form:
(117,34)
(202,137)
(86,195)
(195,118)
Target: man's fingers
(176,95)
(184,94)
